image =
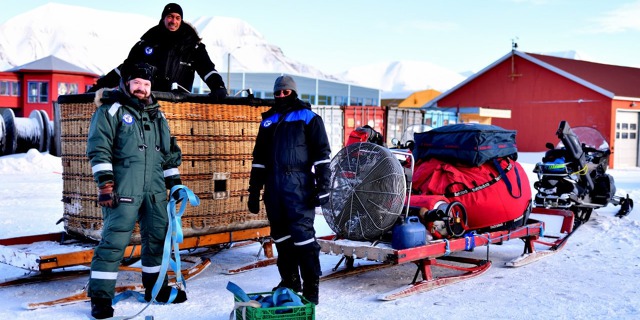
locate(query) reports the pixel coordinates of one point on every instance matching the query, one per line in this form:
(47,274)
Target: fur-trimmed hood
(109,96)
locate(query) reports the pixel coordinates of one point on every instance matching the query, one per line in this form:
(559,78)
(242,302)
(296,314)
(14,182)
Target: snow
(596,276)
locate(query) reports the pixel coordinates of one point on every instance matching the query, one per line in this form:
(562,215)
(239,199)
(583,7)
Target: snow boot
(149,280)
(310,271)
(311,291)
(101,308)
(291,281)
(288,267)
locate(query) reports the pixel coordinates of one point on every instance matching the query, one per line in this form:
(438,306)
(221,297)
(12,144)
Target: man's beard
(143,94)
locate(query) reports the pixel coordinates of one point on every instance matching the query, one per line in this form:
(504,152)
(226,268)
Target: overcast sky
(464,35)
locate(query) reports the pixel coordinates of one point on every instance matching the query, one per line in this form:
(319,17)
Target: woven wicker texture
(216,142)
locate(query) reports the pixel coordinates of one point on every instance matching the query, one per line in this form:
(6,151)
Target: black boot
(292,282)
(288,267)
(309,257)
(149,280)
(311,291)
(101,308)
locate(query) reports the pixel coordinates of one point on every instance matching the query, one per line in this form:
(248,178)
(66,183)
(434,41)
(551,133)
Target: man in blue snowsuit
(134,161)
(291,160)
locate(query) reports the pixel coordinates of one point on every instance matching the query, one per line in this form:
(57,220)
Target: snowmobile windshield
(590,137)
(411,130)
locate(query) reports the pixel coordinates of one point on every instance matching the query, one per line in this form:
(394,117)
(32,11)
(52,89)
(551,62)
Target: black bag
(466,143)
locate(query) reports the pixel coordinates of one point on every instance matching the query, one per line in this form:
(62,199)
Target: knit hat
(139,70)
(285,83)
(172,8)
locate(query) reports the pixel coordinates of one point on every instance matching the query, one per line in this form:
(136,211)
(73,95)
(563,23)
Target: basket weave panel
(216,142)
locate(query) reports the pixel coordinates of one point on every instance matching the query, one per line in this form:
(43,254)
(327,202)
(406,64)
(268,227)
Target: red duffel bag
(495,194)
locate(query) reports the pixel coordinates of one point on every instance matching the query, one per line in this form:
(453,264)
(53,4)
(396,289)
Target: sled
(81,296)
(63,250)
(442,254)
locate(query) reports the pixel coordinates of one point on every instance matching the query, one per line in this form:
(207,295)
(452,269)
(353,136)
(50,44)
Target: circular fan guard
(368,190)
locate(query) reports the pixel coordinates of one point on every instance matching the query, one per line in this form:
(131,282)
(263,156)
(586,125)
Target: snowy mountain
(399,79)
(99,44)
(99,40)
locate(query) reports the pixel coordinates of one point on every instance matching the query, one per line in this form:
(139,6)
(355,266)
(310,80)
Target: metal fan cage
(368,190)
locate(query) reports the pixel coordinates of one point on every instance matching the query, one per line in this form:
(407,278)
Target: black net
(368,190)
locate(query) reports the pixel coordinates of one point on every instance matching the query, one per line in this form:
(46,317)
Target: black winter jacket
(293,139)
(176,55)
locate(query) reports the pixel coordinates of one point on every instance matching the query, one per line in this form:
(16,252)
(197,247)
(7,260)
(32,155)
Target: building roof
(51,63)
(622,81)
(419,98)
(610,80)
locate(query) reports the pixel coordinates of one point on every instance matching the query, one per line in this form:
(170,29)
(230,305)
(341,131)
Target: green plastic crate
(305,312)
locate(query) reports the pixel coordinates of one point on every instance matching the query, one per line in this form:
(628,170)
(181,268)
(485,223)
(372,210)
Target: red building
(35,85)
(540,91)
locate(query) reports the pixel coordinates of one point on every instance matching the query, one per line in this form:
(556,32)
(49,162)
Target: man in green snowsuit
(134,161)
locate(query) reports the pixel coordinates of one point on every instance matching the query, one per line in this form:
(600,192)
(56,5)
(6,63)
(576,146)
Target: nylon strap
(172,240)
(487,184)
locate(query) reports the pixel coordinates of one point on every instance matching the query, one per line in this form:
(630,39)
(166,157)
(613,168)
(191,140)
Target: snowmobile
(572,174)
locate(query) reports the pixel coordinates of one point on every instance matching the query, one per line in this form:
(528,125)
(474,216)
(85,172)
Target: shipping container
(358,116)
(332,116)
(399,119)
(436,118)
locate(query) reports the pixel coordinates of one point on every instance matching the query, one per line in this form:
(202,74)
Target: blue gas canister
(409,234)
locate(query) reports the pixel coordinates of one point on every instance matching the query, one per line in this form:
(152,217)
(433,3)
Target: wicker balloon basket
(216,142)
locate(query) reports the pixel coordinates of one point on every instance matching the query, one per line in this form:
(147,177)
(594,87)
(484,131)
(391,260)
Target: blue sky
(464,35)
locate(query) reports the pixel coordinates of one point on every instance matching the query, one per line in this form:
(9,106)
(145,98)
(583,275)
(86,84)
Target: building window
(340,100)
(308,98)
(356,101)
(38,92)
(67,88)
(15,88)
(324,100)
(9,88)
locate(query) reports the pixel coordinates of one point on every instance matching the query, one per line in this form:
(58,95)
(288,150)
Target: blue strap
(506,180)
(172,240)
(237,291)
(447,250)
(469,242)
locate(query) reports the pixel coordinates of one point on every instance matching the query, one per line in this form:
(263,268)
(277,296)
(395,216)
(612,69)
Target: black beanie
(139,70)
(172,8)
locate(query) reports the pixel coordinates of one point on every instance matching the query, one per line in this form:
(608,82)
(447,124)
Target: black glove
(178,196)
(254,201)
(218,94)
(321,198)
(107,197)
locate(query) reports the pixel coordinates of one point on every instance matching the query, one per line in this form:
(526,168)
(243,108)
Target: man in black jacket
(291,141)
(176,50)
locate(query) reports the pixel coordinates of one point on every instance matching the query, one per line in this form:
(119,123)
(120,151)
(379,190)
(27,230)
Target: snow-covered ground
(596,276)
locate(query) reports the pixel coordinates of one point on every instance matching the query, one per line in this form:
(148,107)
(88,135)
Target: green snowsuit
(129,143)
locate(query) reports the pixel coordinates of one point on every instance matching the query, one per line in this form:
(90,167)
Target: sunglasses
(282,93)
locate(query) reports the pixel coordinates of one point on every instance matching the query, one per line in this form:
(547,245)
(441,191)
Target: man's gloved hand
(218,94)
(178,196)
(254,201)
(321,198)
(107,196)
